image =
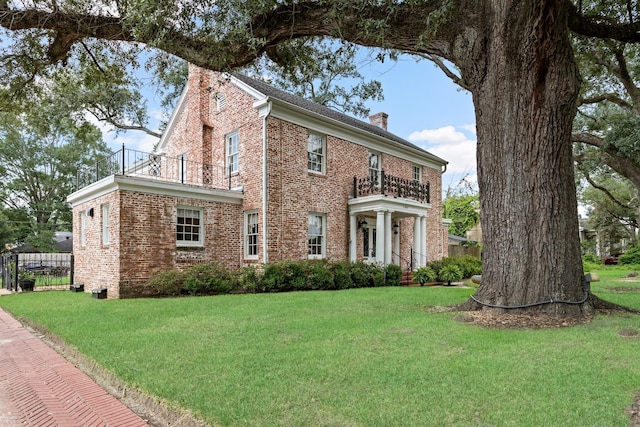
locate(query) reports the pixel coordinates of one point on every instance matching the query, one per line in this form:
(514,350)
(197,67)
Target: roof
(272,92)
(61,246)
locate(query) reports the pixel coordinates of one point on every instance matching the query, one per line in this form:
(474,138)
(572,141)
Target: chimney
(379,119)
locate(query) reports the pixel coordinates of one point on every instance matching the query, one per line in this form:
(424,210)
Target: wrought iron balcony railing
(128,162)
(388,185)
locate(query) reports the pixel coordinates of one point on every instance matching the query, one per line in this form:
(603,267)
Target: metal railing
(129,162)
(388,185)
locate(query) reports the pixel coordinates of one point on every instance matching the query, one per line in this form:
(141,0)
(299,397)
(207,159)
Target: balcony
(135,163)
(388,185)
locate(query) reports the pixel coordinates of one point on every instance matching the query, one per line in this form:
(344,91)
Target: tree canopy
(515,57)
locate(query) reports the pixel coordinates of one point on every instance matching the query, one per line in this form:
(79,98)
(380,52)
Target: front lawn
(360,357)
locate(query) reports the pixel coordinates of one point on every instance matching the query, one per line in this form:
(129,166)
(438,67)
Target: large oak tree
(515,57)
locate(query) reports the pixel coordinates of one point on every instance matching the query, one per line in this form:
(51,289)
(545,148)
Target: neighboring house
(247,174)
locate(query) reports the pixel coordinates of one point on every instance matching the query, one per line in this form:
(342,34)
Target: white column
(416,242)
(423,240)
(380,234)
(387,238)
(396,246)
(353,243)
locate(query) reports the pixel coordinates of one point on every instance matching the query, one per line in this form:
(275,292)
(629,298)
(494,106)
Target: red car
(611,259)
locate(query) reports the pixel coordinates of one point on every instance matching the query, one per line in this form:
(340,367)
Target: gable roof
(297,101)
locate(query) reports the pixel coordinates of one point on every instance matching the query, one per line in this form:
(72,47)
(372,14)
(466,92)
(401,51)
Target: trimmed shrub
(424,275)
(164,283)
(320,275)
(250,279)
(341,275)
(591,258)
(209,279)
(394,275)
(360,274)
(377,276)
(632,256)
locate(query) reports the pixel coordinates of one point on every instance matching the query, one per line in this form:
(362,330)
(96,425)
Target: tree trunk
(525,102)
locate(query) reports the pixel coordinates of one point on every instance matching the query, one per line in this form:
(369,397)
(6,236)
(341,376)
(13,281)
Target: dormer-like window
(221,101)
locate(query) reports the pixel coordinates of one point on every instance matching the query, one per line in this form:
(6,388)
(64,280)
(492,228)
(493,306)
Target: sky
(424,106)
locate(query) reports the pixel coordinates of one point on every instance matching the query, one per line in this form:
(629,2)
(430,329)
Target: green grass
(362,357)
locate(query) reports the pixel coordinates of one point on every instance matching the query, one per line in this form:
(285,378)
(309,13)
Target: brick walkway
(39,387)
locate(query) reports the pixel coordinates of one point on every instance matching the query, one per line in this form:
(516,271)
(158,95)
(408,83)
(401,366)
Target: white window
(189,227)
(221,101)
(105,224)
(417,174)
(232,151)
(251,235)
(83,228)
(317,235)
(316,152)
(374,167)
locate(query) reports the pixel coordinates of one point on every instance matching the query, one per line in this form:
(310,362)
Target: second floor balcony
(393,186)
(134,163)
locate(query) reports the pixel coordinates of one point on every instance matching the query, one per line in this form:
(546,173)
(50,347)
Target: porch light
(395,228)
(363,224)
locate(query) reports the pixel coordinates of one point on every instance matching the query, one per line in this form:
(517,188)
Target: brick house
(248,174)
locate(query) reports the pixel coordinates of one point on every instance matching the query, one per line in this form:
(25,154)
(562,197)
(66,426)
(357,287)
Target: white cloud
(443,135)
(451,145)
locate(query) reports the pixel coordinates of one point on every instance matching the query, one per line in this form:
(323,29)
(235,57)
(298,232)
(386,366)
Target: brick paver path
(39,387)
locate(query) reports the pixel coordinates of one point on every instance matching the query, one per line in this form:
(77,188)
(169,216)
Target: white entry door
(369,240)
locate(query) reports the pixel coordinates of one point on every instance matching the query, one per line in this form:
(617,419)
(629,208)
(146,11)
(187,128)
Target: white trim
(227,152)
(177,113)
(83,228)
(265,185)
(400,207)
(152,186)
(323,156)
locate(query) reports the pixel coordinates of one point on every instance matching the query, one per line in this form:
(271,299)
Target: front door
(369,236)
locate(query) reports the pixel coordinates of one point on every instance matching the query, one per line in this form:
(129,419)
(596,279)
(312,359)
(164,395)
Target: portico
(380,218)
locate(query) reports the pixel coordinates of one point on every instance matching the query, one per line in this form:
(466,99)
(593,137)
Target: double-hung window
(317,235)
(374,168)
(189,227)
(251,235)
(232,151)
(316,153)
(417,174)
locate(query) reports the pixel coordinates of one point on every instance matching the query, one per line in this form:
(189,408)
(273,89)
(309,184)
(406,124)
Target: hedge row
(213,279)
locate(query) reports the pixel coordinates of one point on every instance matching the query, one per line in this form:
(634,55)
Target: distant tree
(463,211)
(612,205)
(40,152)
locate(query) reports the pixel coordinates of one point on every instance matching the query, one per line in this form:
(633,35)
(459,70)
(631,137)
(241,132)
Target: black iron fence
(129,162)
(42,270)
(389,185)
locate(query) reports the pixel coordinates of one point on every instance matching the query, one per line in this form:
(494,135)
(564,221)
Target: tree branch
(601,188)
(602,27)
(447,71)
(611,97)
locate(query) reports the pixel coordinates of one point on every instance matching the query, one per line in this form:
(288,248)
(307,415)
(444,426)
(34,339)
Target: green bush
(320,276)
(209,279)
(450,273)
(377,276)
(632,256)
(360,274)
(250,279)
(394,275)
(469,265)
(164,283)
(591,258)
(342,275)
(424,275)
